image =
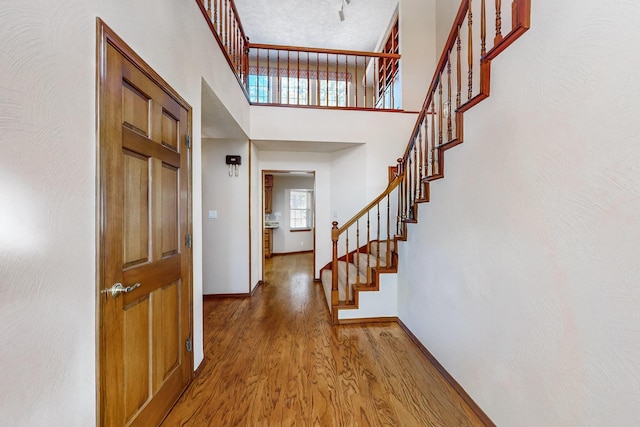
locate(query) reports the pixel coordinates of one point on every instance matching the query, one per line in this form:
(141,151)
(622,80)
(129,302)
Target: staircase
(365,248)
(360,273)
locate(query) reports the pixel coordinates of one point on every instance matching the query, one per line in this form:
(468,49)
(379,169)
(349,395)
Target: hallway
(274,360)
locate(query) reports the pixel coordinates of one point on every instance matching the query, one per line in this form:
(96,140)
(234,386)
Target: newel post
(334,264)
(521,14)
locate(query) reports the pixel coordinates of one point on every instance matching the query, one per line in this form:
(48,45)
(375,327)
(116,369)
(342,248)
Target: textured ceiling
(315,23)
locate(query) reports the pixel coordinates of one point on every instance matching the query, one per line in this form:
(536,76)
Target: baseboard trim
(447,376)
(292,253)
(248,294)
(198,371)
(260,283)
(366,320)
(218,296)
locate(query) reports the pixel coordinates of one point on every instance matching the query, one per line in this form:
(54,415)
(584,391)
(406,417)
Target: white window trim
(310,209)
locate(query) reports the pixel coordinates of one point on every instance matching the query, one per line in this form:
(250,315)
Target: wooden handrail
(448,46)
(392,186)
(322,50)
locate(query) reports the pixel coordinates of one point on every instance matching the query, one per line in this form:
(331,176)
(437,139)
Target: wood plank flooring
(275,360)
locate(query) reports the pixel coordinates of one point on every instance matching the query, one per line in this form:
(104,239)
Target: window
(388,68)
(294,90)
(333,93)
(258,88)
(300,209)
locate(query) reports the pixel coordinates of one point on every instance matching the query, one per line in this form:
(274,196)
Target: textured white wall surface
(256,218)
(47,209)
(522,277)
(384,136)
(418,50)
(47,186)
(225,239)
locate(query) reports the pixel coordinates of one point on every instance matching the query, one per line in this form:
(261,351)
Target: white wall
(47,214)
(418,49)
(225,239)
(385,136)
(48,186)
(522,276)
(256,213)
(284,240)
(348,189)
(445,14)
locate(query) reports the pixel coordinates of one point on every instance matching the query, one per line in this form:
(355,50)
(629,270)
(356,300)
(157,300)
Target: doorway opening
(288,214)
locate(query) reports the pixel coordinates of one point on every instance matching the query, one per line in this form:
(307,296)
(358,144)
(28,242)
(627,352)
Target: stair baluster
(432,144)
(470,50)
(357,252)
(377,242)
(448,103)
(348,286)
(388,254)
(368,247)
(498,37)
(459,66)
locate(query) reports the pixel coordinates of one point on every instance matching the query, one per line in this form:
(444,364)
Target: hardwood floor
(275,360)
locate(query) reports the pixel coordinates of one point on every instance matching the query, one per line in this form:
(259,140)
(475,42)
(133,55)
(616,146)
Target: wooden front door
(145,267)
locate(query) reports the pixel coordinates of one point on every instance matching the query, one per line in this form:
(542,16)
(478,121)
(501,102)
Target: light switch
(213,214)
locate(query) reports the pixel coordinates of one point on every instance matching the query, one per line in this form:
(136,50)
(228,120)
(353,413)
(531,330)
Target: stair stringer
(381,303)
(384,281)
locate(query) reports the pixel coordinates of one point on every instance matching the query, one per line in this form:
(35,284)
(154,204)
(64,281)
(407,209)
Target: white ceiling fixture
(314,23)
(341,11)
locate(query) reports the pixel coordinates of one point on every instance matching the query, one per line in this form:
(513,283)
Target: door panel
(135,109)
(145,217)
(136,209)
(169,130)
(136,355)
(169,210)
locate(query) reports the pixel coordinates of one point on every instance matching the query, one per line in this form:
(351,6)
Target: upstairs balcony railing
(303,77)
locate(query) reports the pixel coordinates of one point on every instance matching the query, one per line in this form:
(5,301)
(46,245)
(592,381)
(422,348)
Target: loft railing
(286,75)
(461,81)
(222,17)
(303,77)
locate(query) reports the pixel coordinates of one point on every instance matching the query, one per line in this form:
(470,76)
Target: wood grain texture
(275,359)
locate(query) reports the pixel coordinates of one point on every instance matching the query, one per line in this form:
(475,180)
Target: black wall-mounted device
(234,163)
(234,160)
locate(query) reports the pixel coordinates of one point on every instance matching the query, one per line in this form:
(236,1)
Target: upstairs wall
(522,275)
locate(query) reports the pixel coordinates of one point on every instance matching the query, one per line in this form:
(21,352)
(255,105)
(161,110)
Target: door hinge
(188,141)
(189,344)
(188,241)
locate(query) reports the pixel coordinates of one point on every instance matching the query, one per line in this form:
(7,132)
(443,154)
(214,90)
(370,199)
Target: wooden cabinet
(267,199)
(268,193)
(268,242)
